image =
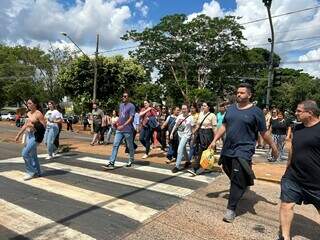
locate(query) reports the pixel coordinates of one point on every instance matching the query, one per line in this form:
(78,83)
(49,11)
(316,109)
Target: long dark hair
(36,102)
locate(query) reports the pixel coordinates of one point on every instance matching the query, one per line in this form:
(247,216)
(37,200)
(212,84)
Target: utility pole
(95,70)
(267,3)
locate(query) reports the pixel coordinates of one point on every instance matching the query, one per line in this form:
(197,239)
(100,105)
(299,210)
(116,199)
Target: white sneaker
(145,156)
(49,158)
(28,177)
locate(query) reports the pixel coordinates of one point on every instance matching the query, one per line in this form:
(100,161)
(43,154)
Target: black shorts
(96,128)
(293,192)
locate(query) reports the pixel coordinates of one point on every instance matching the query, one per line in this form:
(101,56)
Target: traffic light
(277,78)
(267,3)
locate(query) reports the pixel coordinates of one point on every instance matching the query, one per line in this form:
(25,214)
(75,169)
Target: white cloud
(312,67)
(142,8)
(44,20)
(294,26)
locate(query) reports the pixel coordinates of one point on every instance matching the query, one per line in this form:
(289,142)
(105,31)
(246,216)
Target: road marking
(19,159)
(205,179)
(125,180)
(23,221)
(131,210)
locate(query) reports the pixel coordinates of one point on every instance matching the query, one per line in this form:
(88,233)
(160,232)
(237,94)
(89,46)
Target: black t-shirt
(279,127)
(242,127)
(305,163)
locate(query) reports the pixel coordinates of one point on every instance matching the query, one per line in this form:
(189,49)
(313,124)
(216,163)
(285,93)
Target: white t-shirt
(53,115)
(185,128)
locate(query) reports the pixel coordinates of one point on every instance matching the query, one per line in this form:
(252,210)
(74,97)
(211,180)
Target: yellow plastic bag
(208,160)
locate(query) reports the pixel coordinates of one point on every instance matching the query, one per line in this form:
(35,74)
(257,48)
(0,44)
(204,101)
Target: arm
(174,128)
(218,135)
(24,127)
(267,138)
(130,119)
(289,133)
(142,113)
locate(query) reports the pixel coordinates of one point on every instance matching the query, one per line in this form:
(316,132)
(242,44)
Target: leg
(181,150)
(286,217)
(109,135)
(116,143)
(51,136)
(28,154)
(129,141)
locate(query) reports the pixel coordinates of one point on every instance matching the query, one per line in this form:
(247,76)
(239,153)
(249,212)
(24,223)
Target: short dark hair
(311,105)
(246,85)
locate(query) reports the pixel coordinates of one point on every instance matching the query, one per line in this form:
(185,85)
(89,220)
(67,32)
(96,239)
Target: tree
(186,52)
(115,75)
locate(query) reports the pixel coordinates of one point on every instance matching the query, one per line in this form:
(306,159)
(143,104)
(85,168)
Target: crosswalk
(75,199)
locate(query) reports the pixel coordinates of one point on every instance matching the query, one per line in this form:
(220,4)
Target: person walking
(206,125)
(300,183)
(35,129)
(69,123)
(124,129)
(195,116)
(173,143)
(112,130)
(183,127)
(281,131)
(104,128)
(163,131)
(97,115)
(148,116)
(242,123)
(53,118)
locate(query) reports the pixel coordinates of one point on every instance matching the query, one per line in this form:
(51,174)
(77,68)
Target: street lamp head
(64,34)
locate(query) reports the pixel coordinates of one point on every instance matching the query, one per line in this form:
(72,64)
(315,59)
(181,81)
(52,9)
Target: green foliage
(187,53)
(115,75)
(27,71)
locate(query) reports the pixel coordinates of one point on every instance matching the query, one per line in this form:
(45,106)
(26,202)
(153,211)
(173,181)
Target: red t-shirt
(145,118)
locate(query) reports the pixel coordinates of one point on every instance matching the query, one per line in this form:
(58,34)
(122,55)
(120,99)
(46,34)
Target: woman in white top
(183,126)
(112,129)
(53,117)
(206,125)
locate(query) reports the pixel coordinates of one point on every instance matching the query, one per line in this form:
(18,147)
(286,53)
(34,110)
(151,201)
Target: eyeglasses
(125,96)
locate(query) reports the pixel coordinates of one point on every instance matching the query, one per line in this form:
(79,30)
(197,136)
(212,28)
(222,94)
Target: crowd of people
(185,132)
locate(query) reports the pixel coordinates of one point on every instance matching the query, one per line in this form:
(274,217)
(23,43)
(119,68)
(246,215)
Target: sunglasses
(125,96)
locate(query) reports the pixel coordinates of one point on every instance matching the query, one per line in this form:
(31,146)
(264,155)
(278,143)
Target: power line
(280,15)
(118,49)
(286,41)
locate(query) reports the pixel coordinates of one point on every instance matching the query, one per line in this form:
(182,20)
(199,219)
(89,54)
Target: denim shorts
(293,192)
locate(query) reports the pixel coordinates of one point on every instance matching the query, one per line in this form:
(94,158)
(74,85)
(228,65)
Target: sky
(40,23)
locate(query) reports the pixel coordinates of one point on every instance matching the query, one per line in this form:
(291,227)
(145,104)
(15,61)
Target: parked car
(11,116)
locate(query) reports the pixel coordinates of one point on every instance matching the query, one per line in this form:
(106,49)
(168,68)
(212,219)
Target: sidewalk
(263,170)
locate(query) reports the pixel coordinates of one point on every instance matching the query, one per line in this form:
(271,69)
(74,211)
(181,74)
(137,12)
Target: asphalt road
(75,199)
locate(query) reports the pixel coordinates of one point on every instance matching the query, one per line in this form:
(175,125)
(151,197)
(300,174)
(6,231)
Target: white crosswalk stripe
(125,180)
(23,221)
(129,209)
(201,178)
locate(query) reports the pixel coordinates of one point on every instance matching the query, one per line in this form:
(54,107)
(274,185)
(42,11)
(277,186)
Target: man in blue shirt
(124,129)
(242,123)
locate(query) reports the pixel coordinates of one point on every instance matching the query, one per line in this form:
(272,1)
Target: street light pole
(267,3)
(94,64)
(95,70)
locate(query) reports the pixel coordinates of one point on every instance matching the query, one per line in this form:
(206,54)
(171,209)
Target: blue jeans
(182,150)
(111,131)
(29,154)
(145,138)
(116,144)
(49,137)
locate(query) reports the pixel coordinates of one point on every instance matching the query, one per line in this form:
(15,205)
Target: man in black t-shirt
(242,123)
(301,183)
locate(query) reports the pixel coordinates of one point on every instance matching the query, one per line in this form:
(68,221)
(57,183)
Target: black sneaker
(192,171)
(109,166)
(175,170)
(187,165)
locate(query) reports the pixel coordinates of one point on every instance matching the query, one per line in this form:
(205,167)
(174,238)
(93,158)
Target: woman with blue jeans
(34,128)
(53,117)
(146,113)
(183,126)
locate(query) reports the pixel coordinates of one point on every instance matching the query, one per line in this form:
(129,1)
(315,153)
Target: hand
(17,138)
(171,136)
(212,145)
(120,127)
